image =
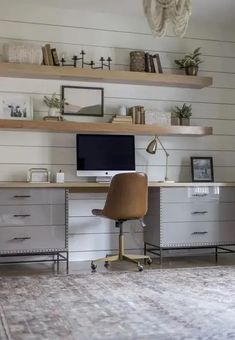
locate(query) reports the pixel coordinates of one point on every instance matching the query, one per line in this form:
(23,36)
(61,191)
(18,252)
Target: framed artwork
(16,106)
(202,169)
(83,101)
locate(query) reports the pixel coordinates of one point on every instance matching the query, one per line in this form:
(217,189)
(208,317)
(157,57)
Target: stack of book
(122,119)
(137,113)
(153,63)
(50,56)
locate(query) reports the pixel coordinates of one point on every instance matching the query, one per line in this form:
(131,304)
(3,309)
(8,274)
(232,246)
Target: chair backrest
(127,197)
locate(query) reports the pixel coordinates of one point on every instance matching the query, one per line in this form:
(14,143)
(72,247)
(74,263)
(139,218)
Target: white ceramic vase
(53,112)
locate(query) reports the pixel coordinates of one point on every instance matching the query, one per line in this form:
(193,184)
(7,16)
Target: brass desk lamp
(152,148)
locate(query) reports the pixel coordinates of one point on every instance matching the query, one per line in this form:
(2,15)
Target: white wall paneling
(103,34)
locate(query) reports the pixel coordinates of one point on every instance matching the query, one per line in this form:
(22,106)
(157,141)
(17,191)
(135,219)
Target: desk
(190,216)
(34,216)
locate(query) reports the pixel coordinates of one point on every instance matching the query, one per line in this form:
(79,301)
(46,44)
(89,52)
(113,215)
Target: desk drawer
(190,194)
(186,234)
(207,211)
(22,215)
(32,238)
(32,196)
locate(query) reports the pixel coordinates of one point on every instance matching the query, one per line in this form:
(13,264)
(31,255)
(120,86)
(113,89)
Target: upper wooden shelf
(73,127)
(13,70)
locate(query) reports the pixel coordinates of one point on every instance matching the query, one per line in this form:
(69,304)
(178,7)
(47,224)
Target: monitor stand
(103,179)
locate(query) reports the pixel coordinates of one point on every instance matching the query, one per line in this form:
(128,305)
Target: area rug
(166,304)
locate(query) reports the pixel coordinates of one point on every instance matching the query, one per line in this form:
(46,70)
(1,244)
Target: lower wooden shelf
(106,128)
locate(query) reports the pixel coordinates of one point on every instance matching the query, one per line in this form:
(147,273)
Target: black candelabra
(76,59)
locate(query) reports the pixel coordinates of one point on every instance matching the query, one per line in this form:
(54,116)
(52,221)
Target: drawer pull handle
(199,195)
(21,238)
(22,215)
(22,196)
(200,232)
(199,212)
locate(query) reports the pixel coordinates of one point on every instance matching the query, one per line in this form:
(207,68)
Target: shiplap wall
(110,35)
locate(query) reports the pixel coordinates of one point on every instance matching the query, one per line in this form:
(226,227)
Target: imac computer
(103,156)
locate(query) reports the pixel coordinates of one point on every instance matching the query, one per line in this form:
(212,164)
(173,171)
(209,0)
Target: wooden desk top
(94,185)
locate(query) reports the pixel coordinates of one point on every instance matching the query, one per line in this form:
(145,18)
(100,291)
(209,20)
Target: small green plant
(192,59)
(54,102)
(184,112)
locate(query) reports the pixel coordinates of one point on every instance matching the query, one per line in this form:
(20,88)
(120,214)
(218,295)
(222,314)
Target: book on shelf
(49,54)
(122,119)
(138,114)
(152,66)
(45,56)
(147,62)
(155,65)
(55,58)
(157,58)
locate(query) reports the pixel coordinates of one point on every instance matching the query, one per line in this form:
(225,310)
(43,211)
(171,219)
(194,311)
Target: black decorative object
(75,59)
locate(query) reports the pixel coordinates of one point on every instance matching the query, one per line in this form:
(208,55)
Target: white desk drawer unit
(32,238)
(34,221)
(190,217)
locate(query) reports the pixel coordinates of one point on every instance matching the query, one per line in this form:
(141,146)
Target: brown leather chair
(127,199)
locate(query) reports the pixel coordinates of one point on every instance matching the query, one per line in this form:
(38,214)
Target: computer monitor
(105,155)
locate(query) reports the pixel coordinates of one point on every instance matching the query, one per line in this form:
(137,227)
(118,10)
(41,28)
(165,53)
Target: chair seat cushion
(97,212)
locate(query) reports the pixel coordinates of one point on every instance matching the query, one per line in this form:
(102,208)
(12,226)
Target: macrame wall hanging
(161,12)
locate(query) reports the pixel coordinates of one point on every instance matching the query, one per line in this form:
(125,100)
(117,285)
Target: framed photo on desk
(202,169)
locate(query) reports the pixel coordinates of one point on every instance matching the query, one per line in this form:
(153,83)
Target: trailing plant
(184,112)
(54,101)
(192,59)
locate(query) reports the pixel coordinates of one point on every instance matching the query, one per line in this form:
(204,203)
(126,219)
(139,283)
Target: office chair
(127,199)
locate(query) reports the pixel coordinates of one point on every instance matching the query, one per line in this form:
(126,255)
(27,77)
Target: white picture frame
(16,106)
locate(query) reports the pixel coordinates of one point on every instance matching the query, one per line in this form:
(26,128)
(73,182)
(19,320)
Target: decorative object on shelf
(59,178)
(103,62)
(22,53)
(120,119)
(122,111)
(83,101)
(153,63)
(138,114)
(190,63)
(152,148)
(38,175)
(161,12)
(55,105)
(184,113)
(160,118)
(16,106)
(137,61)
(202,169)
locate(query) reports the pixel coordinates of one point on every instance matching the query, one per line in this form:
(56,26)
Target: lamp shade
(152,147)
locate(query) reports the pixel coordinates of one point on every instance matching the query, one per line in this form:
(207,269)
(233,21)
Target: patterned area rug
(167,304)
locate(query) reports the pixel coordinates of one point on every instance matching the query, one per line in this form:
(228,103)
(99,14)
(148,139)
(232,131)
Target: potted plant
(183,114)
(190,63)
(55,105)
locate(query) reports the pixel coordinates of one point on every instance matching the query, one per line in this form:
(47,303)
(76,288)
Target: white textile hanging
(161,12)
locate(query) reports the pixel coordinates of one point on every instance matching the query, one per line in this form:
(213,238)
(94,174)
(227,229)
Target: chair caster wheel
(93,267)
(140,268)
(149,261)
(106,264)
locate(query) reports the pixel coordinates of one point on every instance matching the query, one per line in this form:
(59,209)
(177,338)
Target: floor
(84,266)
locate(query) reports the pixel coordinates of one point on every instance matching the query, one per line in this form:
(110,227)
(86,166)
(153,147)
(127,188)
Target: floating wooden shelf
(13,70)
(73,127)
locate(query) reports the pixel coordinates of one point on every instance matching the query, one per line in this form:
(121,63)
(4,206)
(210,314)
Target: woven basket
(22,53)
(137,61)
